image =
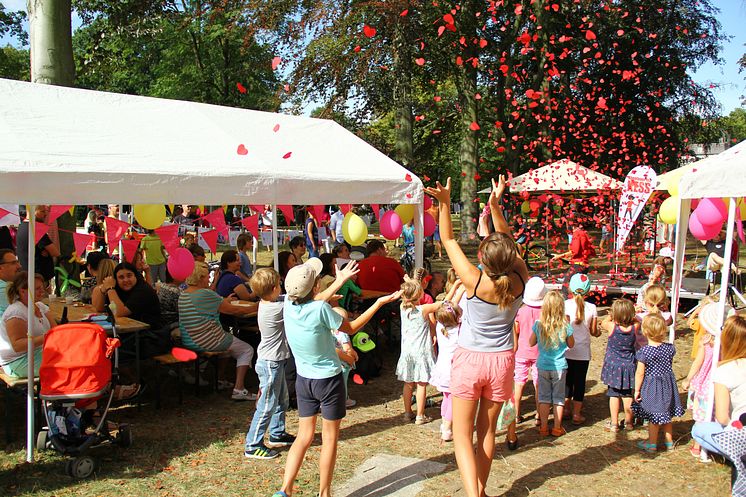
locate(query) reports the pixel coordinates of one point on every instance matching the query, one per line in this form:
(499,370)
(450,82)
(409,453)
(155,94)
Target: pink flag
(56,211)
(211,239)
(169,236)
(318,212)
(376,210)
(257,208)
(129,247)
(217,220)
(251,223)
(346,208)
(81,242)
(41,230)
(115,230)
(287,211)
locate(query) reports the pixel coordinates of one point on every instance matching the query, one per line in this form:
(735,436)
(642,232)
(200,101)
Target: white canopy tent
(71,146)
(718,176)
(563,175)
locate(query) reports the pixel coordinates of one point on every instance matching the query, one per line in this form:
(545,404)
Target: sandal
(544,433)
(558,432)
(279,493)
(611,427)
(126,392)
(668,445)
(695,451)
(578,420)
(537,421)
(647,447)
(519,419)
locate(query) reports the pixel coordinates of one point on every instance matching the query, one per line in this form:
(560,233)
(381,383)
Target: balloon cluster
(392,222)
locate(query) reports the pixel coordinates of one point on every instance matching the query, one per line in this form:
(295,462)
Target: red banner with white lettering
(638,186)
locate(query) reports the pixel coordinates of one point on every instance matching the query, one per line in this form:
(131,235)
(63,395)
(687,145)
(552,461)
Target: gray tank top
(485,326)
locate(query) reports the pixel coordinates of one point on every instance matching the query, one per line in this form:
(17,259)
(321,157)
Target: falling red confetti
(242,150)
(408,177)
(276,128)
(368,31)
(287,155)
(241,88)
(474,126)
(419,61)
(276,61)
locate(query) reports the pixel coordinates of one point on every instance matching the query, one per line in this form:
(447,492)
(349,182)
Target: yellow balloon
(672,183)
(150,216)
(526,207)
(406,212)
(669,211)
(354,230)
(741,203)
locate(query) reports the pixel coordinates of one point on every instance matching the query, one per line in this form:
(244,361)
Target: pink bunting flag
(318,212)
(376,210)
(211,239)
(81,241)
(56,211)
(345,208)
(41,230)
(129,247)
(287,211)
(251,223)
(257,208)
(169,236)
(4,213)
(217,220)
(115,230)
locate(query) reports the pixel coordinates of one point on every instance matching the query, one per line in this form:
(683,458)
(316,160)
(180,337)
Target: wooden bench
(168,360)
(18,387)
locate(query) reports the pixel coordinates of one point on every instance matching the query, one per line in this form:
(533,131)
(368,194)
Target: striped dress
(199,321)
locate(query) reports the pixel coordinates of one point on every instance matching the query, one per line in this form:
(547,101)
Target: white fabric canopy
(721,175)
(563,175)
(71,146)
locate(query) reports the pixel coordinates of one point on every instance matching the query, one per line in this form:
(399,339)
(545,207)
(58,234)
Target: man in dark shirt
(46,250)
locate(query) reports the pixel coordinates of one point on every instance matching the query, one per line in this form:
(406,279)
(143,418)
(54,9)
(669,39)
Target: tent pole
(678,262)
(31,210)
(274,238)
(419,210)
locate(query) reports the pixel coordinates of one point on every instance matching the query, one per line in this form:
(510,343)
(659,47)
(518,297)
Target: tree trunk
(51,42)
(404,144)
(468,150)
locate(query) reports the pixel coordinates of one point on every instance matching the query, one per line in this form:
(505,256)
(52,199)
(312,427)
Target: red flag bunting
(129,247)
(345,208)
(251,223)
(115,230)
(41,230)
(318,212)
(217,220)
(211,239)
(287,211)
(169,236)
(81,241)
(56,211)
(376,210)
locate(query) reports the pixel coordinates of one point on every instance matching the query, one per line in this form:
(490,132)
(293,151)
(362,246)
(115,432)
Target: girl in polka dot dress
(656,394)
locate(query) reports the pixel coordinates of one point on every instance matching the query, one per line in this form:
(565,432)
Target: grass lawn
(196,449)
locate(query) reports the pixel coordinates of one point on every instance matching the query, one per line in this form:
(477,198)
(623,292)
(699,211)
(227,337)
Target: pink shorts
(522,367)
(476,375)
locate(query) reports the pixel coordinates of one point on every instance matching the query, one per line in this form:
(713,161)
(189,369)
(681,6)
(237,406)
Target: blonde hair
(264,281)
(623,312)
(654,328)
(655,298)
(105,269)
(448,314)
(411,293)
(704,301)
(498,254)
(552,324)
(579,308)
(201,269)
(733,339)
(451,278)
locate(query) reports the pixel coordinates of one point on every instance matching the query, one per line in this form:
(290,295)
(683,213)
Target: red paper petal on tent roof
(287,155)
(242,150)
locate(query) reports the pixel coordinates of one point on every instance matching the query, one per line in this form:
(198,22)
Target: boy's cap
(300,279)
(533,294)
(708,317)
(362,342)
(580,284)
(666,252)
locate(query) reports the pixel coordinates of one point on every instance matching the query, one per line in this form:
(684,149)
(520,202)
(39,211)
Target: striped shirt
(199,321)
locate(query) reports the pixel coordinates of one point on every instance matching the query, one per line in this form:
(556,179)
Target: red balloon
(428,225)
(702,231)
(391,225)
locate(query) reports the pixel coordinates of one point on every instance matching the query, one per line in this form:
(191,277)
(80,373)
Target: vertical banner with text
(638,186)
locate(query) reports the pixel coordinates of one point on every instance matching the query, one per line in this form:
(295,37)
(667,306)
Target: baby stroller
(75,372)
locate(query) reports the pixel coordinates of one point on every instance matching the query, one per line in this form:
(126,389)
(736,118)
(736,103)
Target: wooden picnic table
(79,312)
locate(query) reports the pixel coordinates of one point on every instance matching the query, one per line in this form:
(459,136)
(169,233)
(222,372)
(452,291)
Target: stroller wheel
(81,467)
(124,438)
(42,438)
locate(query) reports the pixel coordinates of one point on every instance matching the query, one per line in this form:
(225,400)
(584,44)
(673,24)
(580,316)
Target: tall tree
(51,42)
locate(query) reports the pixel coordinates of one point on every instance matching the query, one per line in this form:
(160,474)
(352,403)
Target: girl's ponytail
(580,308)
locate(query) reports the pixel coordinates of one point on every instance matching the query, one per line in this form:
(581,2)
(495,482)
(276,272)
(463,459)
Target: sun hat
(361,341)
(300,279)
(580,283)
(708,317)
(666,252)
(533,293)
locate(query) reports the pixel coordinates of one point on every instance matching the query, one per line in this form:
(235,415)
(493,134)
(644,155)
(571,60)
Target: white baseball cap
(300,279)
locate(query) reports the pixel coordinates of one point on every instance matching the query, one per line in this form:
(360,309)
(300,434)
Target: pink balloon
(712,211)
(428,202)
(180,264)
(428,224)
(702,231)
(391,225)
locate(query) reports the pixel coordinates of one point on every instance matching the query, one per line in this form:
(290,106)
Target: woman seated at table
(133,297)
(13,326)
(99,266)
(230,282)
(201,331)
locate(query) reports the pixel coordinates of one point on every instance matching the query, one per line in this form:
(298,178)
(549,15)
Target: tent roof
(71,146)
(563,175)
(666,178)
(721,175)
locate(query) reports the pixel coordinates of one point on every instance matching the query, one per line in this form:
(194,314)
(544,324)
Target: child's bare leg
(544,415)
(407,397)
(653,433)
(558,411)
(668,433)
(297,452)
(512,436)
(421,398)
(614,410)
(517,394)
(329,439)
(628,416)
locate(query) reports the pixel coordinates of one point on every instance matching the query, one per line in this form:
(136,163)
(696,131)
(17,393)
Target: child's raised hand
(389,298)
(497,190)
(349,271)
(441,193)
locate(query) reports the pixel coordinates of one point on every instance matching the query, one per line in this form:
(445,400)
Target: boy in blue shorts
(319,385)
(272,356)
